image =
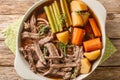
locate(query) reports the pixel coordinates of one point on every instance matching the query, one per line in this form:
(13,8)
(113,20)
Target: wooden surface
(11,10)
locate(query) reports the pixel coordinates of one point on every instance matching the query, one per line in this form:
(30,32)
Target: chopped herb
(43,30)
(69,46)
(82,12)
(44,51)
(38,24)
(62,18)
(63,46)
(69,1)
(91,36)
(73,74)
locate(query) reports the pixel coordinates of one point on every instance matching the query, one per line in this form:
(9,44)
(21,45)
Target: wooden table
(11,10)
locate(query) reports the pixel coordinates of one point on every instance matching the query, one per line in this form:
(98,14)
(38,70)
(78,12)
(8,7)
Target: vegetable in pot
(50,19)
(92,55)
(77,5)
(80,18)
(65,10)
(54,19)
(94,27)
(85,66)
(77,19)
(43,30)
(93,44)
(57,14)
(63,37)
(85,17)
(77,36)
(63,46)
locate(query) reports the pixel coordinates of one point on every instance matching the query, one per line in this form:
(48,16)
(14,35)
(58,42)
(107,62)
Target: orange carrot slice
(77,36)
(93,44)
(95,29)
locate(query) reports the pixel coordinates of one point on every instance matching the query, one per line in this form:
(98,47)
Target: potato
(92,55)
(77,5)
(85,66)
(77,19)
(63,37)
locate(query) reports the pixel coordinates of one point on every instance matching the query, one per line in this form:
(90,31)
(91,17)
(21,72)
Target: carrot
(77,36)
(95,29)
(93,44)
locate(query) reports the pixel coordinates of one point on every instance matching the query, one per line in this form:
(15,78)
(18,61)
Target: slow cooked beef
(53,42)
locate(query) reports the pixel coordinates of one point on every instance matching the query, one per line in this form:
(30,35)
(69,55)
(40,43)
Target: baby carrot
(77,36)
(95,28)
(93,44)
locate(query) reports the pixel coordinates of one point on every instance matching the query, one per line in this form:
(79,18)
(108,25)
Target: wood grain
(6,56)
(112,6)
(15,6)
(6,20)
(105,73)
(8,73)
(113,17)
(113,29)
(20,6)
